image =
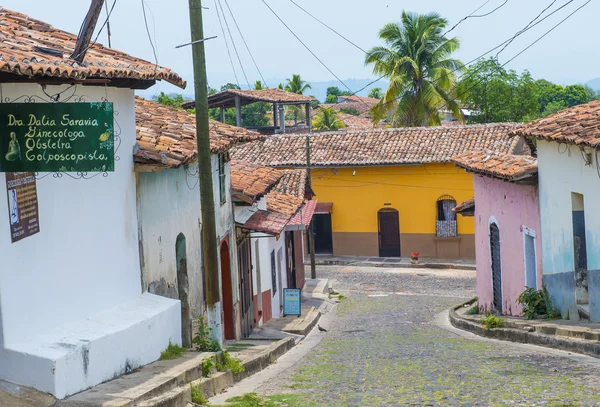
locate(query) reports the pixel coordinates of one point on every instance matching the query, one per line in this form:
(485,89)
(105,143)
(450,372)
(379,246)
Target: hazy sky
(567,55)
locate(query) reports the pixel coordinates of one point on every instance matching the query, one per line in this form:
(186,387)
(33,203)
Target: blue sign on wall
(291,301)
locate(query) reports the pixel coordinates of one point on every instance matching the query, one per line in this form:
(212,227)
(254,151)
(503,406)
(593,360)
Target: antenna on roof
(89,25)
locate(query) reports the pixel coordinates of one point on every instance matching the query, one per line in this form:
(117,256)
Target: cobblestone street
(384,348)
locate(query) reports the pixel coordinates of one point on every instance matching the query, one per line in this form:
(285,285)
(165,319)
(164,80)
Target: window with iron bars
(446,219)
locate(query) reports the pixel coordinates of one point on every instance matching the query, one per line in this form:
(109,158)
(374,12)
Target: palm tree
(416,60)
(327,119)
(375,93)
(296,85)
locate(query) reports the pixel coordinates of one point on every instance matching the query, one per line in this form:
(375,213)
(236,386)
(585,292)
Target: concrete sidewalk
(571,336)
(391,262)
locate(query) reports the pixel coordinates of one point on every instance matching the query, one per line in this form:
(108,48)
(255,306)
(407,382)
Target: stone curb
(569,344)
(217,383)
(439,266)
(303,328)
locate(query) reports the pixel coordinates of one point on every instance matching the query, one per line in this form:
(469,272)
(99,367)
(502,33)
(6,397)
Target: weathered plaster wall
(513,206)
(64,291)
(563,172)
(169,204)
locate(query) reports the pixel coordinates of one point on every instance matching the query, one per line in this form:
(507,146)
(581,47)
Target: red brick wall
(266,305)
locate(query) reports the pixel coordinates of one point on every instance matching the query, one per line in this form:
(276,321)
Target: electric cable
(227,46)
(233,43)
(150,37)
(246,44)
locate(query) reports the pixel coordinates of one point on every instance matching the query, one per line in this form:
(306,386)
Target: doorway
(246,289)
(183,290)
(530,259)
(323,234)
(290,260)
(496,267)
(580,251)
(226,295)
(389,233)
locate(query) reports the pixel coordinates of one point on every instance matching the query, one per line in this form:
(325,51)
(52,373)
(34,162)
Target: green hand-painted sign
(56,137)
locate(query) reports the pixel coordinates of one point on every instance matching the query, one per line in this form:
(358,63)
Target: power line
(150,37)
(227,46)
(478,16)
(99,32)
(246,44)
(306,46)
(233,43)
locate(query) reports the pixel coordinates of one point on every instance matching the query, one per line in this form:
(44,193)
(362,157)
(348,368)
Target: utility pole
(108,25)
(311,229)
(85,35)
(207,201)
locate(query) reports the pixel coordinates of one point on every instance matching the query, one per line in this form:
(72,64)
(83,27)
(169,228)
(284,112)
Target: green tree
(331,99)
(172,100)
(497,95)
(575,95)
(299,86)
(228,86)
(327,119)
(417,61)
(553,107)
(350,110)
(376,93)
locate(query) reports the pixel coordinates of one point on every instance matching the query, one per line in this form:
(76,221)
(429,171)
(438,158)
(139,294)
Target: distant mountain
(594,84)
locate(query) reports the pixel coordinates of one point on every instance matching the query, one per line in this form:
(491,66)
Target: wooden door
(496,266)
(323,234)
(246,289)
(389,233)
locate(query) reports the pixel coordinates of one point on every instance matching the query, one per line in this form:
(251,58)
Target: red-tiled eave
(23,40)
(466,207)
(507,167)
(303,217)
(266,222)
(251,181)
(579,125)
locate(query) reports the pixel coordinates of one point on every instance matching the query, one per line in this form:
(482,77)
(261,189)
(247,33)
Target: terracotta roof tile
(22,40)
(226,98)
(466,206)
(362,108)
(379,146)
(287,196)
(166,137)
(304,216)
(503,166)
(267,222)
(576,125)
(251,181)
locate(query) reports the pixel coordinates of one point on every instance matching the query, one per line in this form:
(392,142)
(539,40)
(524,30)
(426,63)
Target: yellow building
(388,193)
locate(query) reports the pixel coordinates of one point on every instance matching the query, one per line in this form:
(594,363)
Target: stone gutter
(570,338)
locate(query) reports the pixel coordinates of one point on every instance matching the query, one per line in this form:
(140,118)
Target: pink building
(507,227)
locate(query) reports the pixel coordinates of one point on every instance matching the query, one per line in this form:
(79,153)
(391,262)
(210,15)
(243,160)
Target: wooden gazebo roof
(227,98)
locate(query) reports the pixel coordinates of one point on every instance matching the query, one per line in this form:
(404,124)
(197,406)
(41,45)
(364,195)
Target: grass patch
(342,297)
(255,400)
(474,310)
(197,395)
(491,321)
(172,352)
(230,363)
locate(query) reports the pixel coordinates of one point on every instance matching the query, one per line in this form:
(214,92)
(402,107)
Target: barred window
(446,219)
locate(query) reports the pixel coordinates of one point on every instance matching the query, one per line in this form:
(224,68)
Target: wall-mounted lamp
(354,172)
(387,204)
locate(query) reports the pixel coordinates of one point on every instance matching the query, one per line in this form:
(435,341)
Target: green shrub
(202,338)
(172,352)
(197,395)
(491,321)
(207,364)
(230,363)
(474,310)
(536,303)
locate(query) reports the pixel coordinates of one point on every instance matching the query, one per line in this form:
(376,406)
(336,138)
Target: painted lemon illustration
(14,149)
(104,136)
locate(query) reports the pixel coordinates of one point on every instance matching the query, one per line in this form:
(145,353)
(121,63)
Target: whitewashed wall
(57,286)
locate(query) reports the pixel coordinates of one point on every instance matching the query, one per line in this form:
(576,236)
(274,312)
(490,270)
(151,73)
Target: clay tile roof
(357,122)
(578,125)
(503,166)
(23,41)
(362,108)
(293,183)
(465,207)
(251,181)
(360,99)
(227,97)
(166,137)
(380,146)
(267,222)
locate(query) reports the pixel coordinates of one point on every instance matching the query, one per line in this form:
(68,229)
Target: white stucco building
(169,212)
(72,310)
(569,190)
